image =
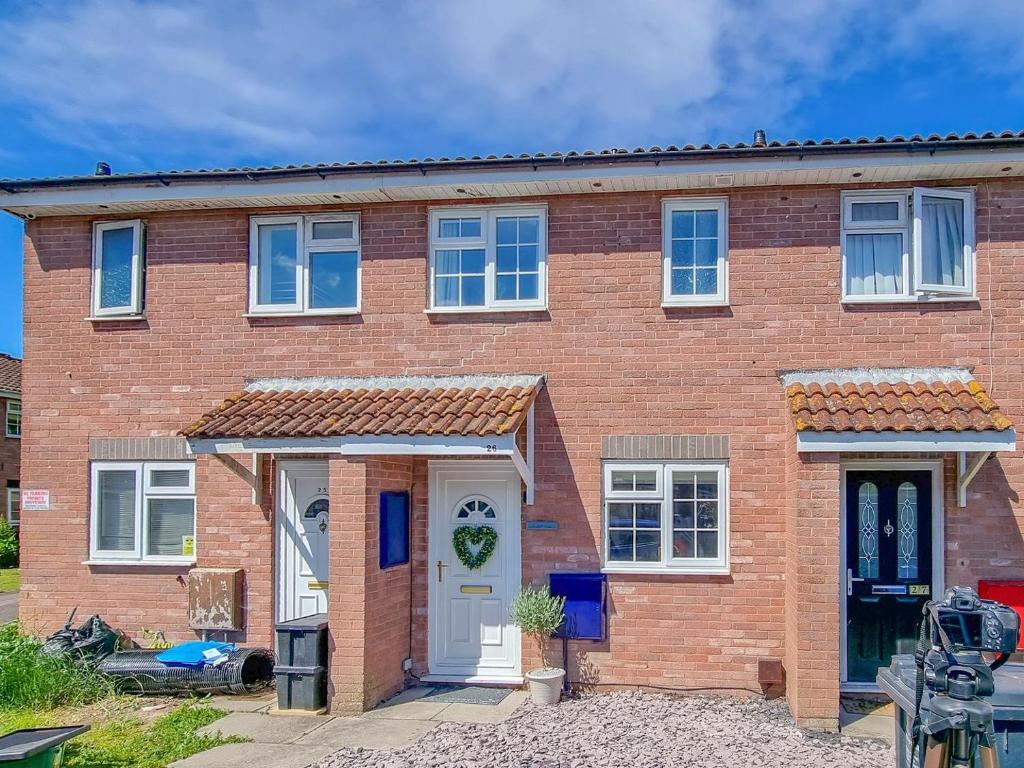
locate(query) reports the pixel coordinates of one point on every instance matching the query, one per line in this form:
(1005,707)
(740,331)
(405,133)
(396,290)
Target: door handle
(850,578)
(440,571)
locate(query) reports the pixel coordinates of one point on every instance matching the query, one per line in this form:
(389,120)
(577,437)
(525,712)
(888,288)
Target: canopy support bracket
(965,472)
(252,477)
(525,465)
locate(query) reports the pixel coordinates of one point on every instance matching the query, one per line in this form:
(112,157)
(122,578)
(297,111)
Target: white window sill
(13,437)
(685,304)
(484,310)
(331,313)
(142,563)
(924,299)
(115,318)
(665,570)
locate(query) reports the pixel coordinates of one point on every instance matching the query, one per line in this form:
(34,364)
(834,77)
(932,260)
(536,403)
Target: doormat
(467,694)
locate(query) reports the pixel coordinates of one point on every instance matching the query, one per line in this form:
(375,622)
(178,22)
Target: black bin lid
(306,623)
(27,742)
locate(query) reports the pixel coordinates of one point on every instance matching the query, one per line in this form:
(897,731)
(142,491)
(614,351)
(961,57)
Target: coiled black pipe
(247,670)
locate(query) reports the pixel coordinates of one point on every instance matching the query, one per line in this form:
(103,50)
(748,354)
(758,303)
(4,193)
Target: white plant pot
(546,685)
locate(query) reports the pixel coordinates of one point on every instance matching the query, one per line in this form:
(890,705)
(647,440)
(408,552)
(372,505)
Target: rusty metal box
(215,598)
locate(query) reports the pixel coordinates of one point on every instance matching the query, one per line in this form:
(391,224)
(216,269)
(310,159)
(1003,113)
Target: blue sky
(152,85)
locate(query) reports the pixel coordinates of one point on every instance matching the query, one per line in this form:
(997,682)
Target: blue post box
(586,609)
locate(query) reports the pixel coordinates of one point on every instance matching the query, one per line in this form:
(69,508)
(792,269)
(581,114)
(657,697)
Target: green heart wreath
(483,535)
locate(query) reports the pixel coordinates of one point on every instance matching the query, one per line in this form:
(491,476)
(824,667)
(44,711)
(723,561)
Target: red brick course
(617,363)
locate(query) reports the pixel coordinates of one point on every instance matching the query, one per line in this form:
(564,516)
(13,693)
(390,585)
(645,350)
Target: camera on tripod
(953,724)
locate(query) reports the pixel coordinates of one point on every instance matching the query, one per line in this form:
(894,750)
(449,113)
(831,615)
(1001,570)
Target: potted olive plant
(538,614)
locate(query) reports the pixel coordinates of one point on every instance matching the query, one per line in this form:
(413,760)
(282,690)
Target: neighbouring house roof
(891,400)
(470,405)
(10,374)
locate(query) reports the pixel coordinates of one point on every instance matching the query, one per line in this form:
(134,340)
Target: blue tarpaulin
(197,653)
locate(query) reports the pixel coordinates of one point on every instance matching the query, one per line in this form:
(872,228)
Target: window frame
(667,564)
(304,246)
(13,491)
(144,491)
(488,241)
(136,304)
(7,419)
(668,207)
(908,225)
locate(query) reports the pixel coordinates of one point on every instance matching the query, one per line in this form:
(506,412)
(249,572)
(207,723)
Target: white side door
(471,637)
(302,534)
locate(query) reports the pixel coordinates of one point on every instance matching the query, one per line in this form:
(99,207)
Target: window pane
(333,279)
(634,480)
(707,485)
(505,289)
(333,230)
(682,544)
(682,485)
(446,291)
(116,494)
(620,546)
(528,258)
(459,228)
(14,506)
(528,287)
(682,253)
(707,544)
(707,281)
(942,241)
(447,262)
(682,282)
(276,264)
(682,514)
(648,515)
(883,212)
(473,291)
(169,521)
(648,546)
(874,264)
(682,223)
(507,258)
(473,261)
(529,229)
(620,515)
(906,503)
(867,538)
(707,223)
(508,231)
(169,478)
(707,253)
(707,514)
(116,251)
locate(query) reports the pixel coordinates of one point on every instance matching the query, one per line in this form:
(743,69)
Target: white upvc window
(488,259)
(143,511)
(908,245)
(695,252)
(666,517)
(118,268)
(307,265)
(14,507)
(12,426)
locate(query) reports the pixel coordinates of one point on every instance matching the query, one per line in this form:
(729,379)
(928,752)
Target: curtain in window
(874,264)
(942,240)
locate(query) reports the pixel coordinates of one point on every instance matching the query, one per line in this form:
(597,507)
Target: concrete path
(8,606)
(284,740)
(865,718)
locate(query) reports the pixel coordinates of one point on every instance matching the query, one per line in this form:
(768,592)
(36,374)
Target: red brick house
(768,390)
(10,439)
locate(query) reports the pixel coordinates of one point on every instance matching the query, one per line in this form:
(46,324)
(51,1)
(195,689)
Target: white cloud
(328,80)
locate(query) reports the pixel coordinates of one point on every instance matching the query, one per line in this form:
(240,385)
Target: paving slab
(260,703)
(868,726)
(263,728)
(407,710)
(367,733)
(249,755)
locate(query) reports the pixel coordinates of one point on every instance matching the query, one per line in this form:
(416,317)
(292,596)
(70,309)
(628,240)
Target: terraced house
(766,390)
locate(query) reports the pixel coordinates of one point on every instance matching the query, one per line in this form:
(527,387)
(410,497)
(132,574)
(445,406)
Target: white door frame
(936,467)
(467,468)
(280,498)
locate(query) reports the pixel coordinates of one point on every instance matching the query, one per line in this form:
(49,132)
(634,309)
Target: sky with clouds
(154,84)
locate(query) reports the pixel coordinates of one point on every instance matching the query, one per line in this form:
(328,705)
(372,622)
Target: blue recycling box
(586,609)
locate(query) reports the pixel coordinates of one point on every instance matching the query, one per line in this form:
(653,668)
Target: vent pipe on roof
(760,140)
(102,169)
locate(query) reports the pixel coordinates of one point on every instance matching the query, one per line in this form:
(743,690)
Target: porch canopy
(467,415)
(898,410)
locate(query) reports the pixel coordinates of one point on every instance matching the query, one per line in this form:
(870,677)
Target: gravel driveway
(630,729)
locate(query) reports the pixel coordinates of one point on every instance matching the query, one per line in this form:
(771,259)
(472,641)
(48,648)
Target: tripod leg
(936,752)
(988,757)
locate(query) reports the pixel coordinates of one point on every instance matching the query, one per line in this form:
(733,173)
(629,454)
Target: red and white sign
(32,501)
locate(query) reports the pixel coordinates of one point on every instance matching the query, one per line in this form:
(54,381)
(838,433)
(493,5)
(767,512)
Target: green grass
(10,580)
(123,740)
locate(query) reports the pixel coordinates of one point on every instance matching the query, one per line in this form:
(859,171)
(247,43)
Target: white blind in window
(169,521)
(117,510)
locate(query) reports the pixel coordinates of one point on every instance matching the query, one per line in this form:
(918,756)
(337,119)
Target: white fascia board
(9,395)
(901,442)
(370,445)
(346,184)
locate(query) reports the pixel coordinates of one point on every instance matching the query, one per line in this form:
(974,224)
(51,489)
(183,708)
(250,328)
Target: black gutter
(14,186)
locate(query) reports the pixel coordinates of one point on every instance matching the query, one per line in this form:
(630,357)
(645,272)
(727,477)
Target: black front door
(889,565)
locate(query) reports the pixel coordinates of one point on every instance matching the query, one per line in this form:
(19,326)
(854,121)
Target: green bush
(538,614)
(8,545)
(28,679)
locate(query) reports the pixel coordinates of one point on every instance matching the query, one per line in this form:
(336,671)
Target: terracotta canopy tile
(412,405)
(891,400)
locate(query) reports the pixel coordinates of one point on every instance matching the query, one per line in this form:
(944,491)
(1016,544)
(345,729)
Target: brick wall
(617,363)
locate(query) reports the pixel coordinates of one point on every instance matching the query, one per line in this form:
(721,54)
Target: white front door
(302,529)
(471,637)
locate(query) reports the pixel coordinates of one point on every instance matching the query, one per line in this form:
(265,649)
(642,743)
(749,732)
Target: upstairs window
(118,268)
(488,259)
(13,426)
(915,245)
(304,265)
(143,511)
(694,252)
